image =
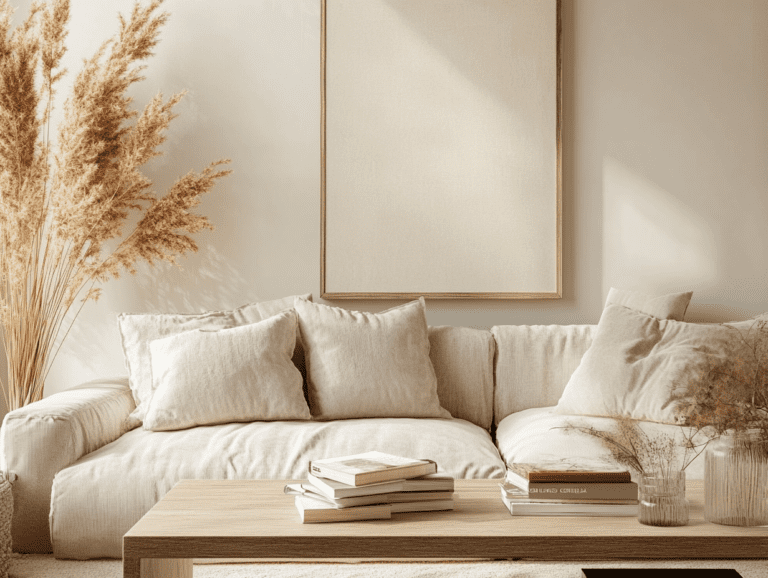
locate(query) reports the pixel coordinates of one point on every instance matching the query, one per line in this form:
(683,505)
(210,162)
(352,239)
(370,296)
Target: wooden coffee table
(255,519)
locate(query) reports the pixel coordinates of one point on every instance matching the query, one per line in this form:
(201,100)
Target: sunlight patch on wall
(652,241)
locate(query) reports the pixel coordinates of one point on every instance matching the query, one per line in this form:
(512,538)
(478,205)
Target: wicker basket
(6,513)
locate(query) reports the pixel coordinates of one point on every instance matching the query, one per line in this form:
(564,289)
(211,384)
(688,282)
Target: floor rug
(46,566)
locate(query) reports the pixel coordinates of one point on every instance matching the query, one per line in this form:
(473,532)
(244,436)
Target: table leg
(166,568)
(157,567)
(131,567)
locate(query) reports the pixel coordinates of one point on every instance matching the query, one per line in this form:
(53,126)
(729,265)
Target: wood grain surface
(255,519)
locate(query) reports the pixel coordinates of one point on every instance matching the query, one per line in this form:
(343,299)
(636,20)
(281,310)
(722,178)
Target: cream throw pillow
(137,330)
(638,365)
(227,375)
(368,364)
(671,306)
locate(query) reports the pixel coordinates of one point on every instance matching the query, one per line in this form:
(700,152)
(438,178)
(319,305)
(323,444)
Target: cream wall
(665,162)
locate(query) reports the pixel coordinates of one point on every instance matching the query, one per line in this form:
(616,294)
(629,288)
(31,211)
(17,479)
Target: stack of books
(557,489)
(370,486)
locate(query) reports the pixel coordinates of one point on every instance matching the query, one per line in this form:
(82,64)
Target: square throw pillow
(245,373)
(638,366)
(670,306)
(138,330)
(368,364)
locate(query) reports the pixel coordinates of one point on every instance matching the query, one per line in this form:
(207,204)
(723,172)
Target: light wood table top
(255,519)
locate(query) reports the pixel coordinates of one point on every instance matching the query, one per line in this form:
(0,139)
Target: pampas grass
(63,210)
(732,395)
(630,446)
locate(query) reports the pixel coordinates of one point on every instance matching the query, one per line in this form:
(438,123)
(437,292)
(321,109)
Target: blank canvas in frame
(441,149)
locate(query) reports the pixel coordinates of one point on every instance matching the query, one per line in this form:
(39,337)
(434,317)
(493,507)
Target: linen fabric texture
(245,373)
(42,438)
(368,364)
(639,366)
(534,362)
(142,466)
(463,362)
(138,330)
(670,306)
(539,433)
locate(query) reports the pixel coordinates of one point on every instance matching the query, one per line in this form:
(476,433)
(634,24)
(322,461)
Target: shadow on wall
(204,282)
(648,231)
(681,127)
(649,234)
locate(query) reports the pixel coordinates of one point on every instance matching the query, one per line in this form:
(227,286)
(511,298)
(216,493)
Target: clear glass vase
(662,499)
(736,480)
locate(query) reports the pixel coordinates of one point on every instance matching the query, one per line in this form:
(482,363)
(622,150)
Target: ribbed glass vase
(736,480)
(662,499)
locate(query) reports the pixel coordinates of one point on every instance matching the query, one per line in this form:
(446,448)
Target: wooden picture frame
(441,149)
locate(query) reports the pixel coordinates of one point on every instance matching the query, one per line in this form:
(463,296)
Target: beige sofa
(84,477)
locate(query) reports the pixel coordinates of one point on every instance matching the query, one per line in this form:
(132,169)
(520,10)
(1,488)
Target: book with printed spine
(553,508)
(336,490)
(313,511)
(580,491)
(370,468)
(517,495)
(559,472)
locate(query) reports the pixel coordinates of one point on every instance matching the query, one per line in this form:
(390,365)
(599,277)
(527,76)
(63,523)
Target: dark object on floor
(660,573)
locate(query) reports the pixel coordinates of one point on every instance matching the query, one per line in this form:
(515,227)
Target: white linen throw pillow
(670,306)
(137,330)
(240,374)
(368,364)
(638,366)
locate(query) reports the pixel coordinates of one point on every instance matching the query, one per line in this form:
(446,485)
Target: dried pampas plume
(631,446)
(60,208)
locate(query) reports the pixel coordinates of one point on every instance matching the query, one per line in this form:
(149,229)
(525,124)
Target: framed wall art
(441,149)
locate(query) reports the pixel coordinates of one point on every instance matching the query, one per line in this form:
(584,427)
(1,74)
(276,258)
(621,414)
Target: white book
(400,497)
(397,497)
(429,483)
(314,511)
(370,468)
(551,508)
(336,490)
(422,506)
(311,492)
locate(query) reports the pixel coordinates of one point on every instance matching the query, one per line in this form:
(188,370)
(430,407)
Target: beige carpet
(45,566)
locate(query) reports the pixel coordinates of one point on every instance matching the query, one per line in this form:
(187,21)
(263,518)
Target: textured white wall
(665,161)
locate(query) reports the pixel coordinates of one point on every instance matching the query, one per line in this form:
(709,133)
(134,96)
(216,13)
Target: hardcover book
(559,472)
(569,509)
(370,468)
(515,494)
(578,491)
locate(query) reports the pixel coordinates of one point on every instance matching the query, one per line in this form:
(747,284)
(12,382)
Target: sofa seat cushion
(100,497)
(528,436)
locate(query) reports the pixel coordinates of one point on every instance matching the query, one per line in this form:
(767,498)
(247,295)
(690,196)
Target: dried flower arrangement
(62,210)
(732,396)
(631,446)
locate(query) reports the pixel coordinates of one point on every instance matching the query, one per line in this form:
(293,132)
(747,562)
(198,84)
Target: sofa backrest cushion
(369,365)
(137,330)
(534,362)
(463,362)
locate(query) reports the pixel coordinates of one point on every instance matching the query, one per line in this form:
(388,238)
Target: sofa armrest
(41,439)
